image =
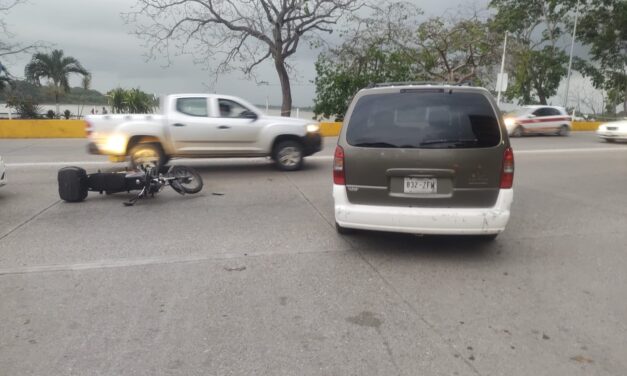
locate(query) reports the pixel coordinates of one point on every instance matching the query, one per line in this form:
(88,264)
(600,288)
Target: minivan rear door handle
(224,127)
(178,125)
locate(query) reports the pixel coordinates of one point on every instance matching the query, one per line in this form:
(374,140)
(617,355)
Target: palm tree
(56,68)
(85,84)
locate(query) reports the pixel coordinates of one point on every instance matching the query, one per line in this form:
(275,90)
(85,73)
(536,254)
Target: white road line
(312,158)
(572,150)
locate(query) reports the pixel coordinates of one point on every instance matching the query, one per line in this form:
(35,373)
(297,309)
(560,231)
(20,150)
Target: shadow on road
(465,248)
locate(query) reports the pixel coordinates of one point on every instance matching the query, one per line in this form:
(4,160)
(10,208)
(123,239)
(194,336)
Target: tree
(534,27)
(603,27)
(456,50)
(56,68)
(6,80)
(241,34)
(8,46)
(85,85)
(131,101)
(371,52)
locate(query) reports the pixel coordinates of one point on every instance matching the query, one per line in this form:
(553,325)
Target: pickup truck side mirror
(250,115)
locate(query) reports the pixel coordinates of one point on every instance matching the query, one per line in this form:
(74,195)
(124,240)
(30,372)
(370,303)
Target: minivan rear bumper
(443,221)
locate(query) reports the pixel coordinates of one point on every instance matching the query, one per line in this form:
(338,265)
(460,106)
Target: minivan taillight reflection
(338,166)
(507,173)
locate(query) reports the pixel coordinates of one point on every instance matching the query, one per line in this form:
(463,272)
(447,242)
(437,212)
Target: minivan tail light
(507,173)
(338,167)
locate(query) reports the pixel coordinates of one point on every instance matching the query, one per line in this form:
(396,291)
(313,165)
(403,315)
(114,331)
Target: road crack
(29,220)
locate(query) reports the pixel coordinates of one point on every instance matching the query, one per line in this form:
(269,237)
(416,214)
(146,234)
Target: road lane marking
(571,150)
(201,161)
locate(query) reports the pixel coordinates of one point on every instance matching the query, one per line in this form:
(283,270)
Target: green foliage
(54,67)
(456,51)
(388,46)
(603,27)
(25,107)
(131,101)
(67,114)
(537,74)
(50,114)
(372,52)
(534,27)
(42,94)
(337,82)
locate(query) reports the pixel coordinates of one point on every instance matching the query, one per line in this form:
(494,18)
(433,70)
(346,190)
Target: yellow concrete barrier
(330,128)
(76,128)
(42,129)
(586,125)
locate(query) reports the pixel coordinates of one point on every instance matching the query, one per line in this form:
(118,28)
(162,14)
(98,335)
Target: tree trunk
(286,91)
(56,101)
(625,102)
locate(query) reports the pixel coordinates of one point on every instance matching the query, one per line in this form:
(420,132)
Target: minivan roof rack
(407,83)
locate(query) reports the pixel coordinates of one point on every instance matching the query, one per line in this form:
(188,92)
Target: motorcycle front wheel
(187,179)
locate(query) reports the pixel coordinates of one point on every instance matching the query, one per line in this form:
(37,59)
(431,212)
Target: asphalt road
(257,282)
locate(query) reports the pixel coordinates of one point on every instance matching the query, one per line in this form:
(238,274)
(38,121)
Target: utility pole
(570,60)
(500,82)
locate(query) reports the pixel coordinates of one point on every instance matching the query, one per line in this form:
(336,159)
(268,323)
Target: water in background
(75,109)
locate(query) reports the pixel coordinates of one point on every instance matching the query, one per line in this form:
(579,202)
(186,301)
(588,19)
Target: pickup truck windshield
(423,120)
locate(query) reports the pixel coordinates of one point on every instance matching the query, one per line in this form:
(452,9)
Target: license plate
(420,185)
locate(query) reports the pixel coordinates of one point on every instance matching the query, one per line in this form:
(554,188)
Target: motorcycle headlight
(313,128)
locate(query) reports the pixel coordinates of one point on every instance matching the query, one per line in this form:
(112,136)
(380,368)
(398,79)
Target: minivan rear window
(426,119)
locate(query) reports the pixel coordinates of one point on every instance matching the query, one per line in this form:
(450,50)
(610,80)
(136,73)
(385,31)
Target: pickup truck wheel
(288,156)
(146,154)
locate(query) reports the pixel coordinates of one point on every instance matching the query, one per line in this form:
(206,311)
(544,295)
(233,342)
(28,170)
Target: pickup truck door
(191,127)
(238,128)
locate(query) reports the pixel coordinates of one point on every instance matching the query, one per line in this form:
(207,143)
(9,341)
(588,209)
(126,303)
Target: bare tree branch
(236,33)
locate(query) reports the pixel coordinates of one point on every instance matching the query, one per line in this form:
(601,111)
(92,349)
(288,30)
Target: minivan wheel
(288,156)
(342,230)
(563,131)
(517,132)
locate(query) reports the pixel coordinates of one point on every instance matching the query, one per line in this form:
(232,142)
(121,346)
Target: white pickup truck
(203,126)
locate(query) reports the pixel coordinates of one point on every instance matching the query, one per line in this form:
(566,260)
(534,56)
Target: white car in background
(613,131)
(3,173)
(538,120)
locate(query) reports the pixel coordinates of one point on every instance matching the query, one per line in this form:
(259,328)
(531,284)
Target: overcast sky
(93,32)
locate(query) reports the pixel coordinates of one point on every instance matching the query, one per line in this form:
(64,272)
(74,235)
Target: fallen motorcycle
(75,183)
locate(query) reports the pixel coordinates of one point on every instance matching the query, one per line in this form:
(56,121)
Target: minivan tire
(288,155)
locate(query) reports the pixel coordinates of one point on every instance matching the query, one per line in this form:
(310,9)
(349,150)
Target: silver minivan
(423,159)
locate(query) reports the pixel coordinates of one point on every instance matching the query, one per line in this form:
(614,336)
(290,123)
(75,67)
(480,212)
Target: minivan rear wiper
(457,141)
(376,145)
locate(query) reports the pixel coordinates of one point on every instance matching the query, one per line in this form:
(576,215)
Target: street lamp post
(500,82)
